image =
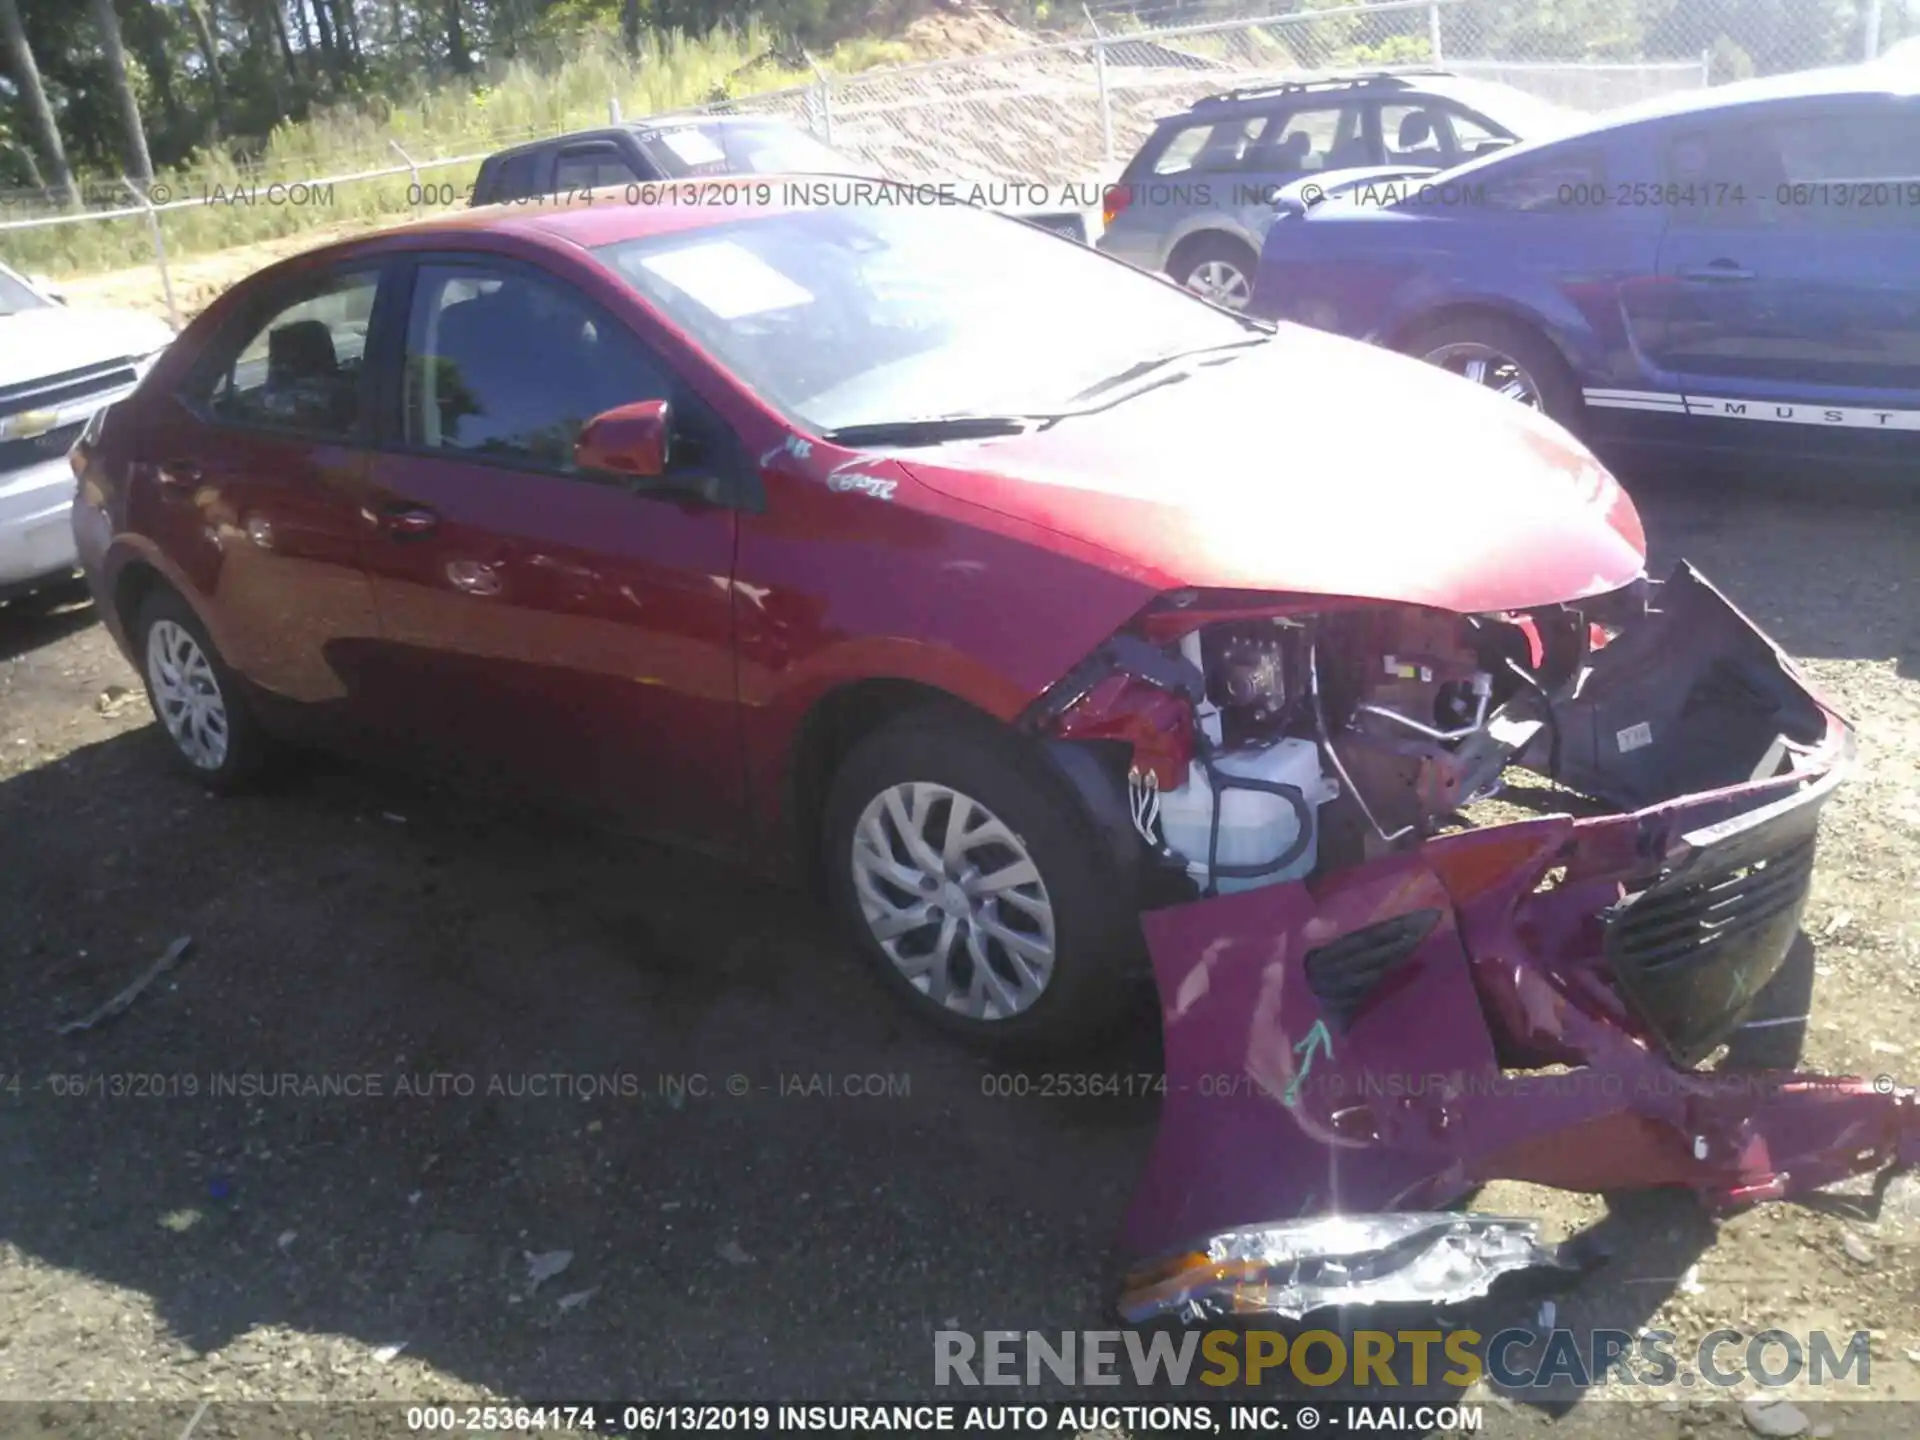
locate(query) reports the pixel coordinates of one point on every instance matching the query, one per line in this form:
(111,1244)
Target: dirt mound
(950,31)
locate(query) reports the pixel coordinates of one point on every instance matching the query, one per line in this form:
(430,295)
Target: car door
(566,633)
(261,463)
(1795,294)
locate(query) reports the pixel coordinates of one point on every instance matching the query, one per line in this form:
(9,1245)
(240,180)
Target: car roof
(680,121)
(1433,81)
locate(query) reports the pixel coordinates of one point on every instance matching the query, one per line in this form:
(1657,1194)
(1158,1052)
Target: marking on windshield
(727,280)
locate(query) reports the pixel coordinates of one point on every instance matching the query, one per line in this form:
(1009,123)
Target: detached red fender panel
(1342,1053)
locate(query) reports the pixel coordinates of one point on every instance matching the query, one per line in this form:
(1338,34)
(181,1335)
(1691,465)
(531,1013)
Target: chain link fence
(1075,107)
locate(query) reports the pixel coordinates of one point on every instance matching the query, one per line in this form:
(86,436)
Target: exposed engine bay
(1380,727)
(1392,864)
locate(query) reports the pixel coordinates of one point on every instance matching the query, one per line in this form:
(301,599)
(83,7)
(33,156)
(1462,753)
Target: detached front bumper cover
(1349,1056)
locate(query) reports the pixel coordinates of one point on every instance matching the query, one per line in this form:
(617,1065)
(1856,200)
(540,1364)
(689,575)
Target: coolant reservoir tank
(1256,826)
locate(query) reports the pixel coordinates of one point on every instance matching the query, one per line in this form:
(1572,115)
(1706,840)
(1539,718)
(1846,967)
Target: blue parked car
(1735,269)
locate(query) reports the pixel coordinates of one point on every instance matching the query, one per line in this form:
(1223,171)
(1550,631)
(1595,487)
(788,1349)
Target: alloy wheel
(1484,365)
(954,900)
(187,694)
(1222,282)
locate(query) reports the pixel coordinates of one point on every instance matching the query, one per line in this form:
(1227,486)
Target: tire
(1539,361)
(1211,259)
(1016,807)
(217,743)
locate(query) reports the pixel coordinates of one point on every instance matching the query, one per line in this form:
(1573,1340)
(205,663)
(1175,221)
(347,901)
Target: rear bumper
(36,531)
(1373,1041)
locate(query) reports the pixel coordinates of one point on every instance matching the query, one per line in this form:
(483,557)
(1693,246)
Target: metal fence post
(613,109)
(1706,67)
(412,169)
(1100,84)
(159,247)
(1870,31)
(1433,31)
(824,84)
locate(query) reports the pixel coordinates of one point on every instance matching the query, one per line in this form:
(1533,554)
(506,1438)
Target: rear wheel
(1505,356)
(210,729)
(1217,268)
(961,869)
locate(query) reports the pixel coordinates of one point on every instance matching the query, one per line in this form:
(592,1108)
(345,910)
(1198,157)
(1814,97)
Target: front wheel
(957,862)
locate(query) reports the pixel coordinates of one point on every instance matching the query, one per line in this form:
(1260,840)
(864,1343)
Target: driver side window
(504,365)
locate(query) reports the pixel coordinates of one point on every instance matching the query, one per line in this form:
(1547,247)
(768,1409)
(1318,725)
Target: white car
(57,368)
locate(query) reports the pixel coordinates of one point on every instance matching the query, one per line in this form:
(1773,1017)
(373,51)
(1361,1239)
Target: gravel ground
(734,1230)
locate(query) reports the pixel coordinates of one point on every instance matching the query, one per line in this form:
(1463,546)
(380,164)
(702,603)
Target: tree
(26,75)
(457,51)
(210,52)
(138,160)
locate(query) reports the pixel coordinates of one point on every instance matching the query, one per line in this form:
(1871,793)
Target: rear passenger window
(517,177)
(1209,147)
(1325,139)
(1858,168)
(1854,170)
(300,370)
(507,366)
(1282,144)
(597,167)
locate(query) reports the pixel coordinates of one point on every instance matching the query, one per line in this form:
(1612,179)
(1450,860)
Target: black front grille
(1693,950)
(19,454)
(1344,972)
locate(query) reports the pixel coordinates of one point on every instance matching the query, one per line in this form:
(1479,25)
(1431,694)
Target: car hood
(52,339)
(1317,465)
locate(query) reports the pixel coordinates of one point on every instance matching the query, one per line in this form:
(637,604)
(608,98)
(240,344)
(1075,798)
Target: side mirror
(47,288)
(627,440)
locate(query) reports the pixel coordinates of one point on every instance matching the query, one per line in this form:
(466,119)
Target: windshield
(767,148)
(15,294)
(868,315)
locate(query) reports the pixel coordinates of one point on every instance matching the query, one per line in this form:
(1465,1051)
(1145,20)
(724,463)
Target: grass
(236,206)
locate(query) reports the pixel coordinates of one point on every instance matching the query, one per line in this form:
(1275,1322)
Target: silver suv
(1197,199)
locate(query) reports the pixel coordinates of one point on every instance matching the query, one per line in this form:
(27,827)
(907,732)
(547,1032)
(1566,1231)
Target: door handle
(404,520)
(1718,270)
(179,473)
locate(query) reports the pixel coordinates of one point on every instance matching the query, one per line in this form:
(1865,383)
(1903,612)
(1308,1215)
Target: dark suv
(1197,199)
(660,148)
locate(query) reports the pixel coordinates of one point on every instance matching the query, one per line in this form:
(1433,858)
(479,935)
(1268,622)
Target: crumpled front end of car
(1434,900)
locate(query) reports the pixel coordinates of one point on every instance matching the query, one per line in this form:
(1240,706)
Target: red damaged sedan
(1058,624)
